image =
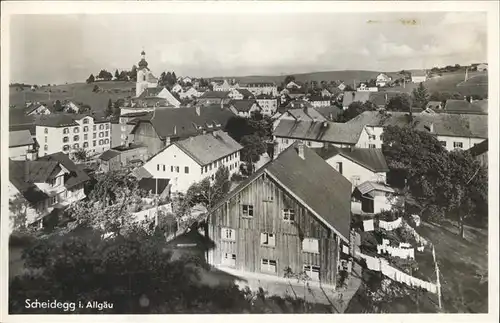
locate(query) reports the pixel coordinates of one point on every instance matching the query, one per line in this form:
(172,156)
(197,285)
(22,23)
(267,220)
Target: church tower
(142,75)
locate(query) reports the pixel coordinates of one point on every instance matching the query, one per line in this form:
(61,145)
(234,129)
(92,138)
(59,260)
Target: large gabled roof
(313,183)
(20,138)
(76,176)
(370,158)
(243,105)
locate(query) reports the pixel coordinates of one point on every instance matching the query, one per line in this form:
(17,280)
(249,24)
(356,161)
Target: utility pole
(466,74)
(437,278)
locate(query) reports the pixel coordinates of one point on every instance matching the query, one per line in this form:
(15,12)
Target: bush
(237,177)
(21,239)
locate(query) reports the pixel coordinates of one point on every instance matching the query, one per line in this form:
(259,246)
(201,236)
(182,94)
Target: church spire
(142,63)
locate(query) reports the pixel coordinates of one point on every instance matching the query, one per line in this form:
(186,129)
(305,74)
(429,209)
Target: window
(229,259)
(309,144)
(46,130)
(106,141)
(107,125)
(355,180)
(85,137)
(267,239)
(228,234)
(247,210)
(46,147)
(53,200)
(94,143)
(76,138)
(289,215)
(65,148)
(85,129)
(176,169)
(312,272)
(371,146)
(210,166)
(268,265)
(310,245)
(45,138)
(94,127)
(100,142)
(171,169)
(85,121)
(372,137)
(285,141)
(339,167)
(51,181)
(186,170)
(101,134)
(95,135)
(76,146)
(106,134)
(458,144)
(85,144)
(164,167)
(65,130)
(76,130)
(101,126)
(65,139)
(443,143)
(158,167)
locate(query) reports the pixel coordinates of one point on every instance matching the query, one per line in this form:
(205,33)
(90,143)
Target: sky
(67,48)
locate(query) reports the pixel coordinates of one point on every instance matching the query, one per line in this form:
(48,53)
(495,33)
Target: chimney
(175,130)
(276,151)
(198,111)
(300,150)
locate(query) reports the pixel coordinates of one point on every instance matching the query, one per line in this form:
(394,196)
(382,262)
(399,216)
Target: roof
(263,96)
(243,105)
(27,189)
(330,112)
(141,172)
(207,148)
(108,155)
(299,104)
(215,95)
(77,175)
(20,138)
(368,187)
(32,107)
(150,184)
(246,93)
(303,179)
(380,99)
(370,158)
(434,105)
(325,131)
(463,106)
(183,122)
(150,92)
(319,98)
(353,96)
(258,84)
(444,124)
(64,119)
(479,149)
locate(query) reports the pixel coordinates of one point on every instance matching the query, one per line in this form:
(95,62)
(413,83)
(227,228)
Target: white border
(118,7)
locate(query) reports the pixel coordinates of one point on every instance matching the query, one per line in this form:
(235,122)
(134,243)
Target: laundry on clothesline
(396,252)
(404,245)
(368,225)
(420,249)
(389,225)
(345,249)
(385,242)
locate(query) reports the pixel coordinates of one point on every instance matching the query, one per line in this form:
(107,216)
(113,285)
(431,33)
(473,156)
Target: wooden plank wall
(146,135)
(268,200)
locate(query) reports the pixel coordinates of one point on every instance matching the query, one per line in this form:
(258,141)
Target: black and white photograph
(249,158)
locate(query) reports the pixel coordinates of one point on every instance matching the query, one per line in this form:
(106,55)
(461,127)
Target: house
(293,93)
(358,165)
(145,78)
(190,93)
(326,93)
(293,85)
(275,220)
(244,108)
(453,131)
(122,156)
(187,80)
(125,125)
(297,110)
(319,101)
(418,76)
(480,152)
(268,104)
(70,107)
(39,187)
(258,88)
(37,108)
(160,96)
(69,132)
(224,86)
(341,86)
(191,160)
(466,107)
(482,67)
(315,134)
(242,94)
(161,127)
(330,113)
(382,80)
(434,105)
(375,197)
(354,96)
(215,97)
(21,145)
(177,88)
(363,88)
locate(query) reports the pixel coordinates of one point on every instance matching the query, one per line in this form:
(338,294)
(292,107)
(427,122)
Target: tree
(91,79)
(117,75)
(420,96)
(355,109)
(288,79)
(123,76)
(400,102)
(349,88)
(18,211)
(109,109)
(133,73)
(174,78)
(253,147)
(58,106)
(95,89)
(443,96)
(80,155)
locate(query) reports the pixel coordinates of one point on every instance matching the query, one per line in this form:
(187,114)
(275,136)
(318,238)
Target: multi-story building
(38,187)
(191,160)
(268,103)
(258,88)
(69,132)
(244,108)
(276,220)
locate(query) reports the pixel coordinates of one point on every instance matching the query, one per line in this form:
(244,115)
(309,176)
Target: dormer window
(85,121)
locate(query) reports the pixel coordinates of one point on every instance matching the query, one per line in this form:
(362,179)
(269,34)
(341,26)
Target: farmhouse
(275,220)
(244,108)
(383,80)
(122,156)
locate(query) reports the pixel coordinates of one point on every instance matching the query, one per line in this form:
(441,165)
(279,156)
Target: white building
(224,86)
(145,78)
(363,88)
(191,160)
(418,76)
(382,80)
(244,108)
(373,198)
(21,145)
(37,108)
(190,93)
(258,88)
(37,188)
(69,132)
(177,88)
(268,104)
(319,101)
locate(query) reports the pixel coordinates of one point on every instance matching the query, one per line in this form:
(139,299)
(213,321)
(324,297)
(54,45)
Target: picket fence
(151,213)
(380,264)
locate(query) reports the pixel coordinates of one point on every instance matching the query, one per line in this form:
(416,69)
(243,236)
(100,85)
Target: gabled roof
(108,155)
(368,187)
(353,96)
(20,138)
(216,95)
(27,189)
(370,158)
(263,96)
(150,92)
(325,131)
(246,93)
(65,119)
(184,122)
(32,107)
(77,175)
(313,183)
(479,149)
(207,148)
(463,106)
(141,173)
(330,113)
(434,105)
(243,105)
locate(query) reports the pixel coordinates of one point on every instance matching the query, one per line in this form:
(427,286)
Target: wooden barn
(294,213)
